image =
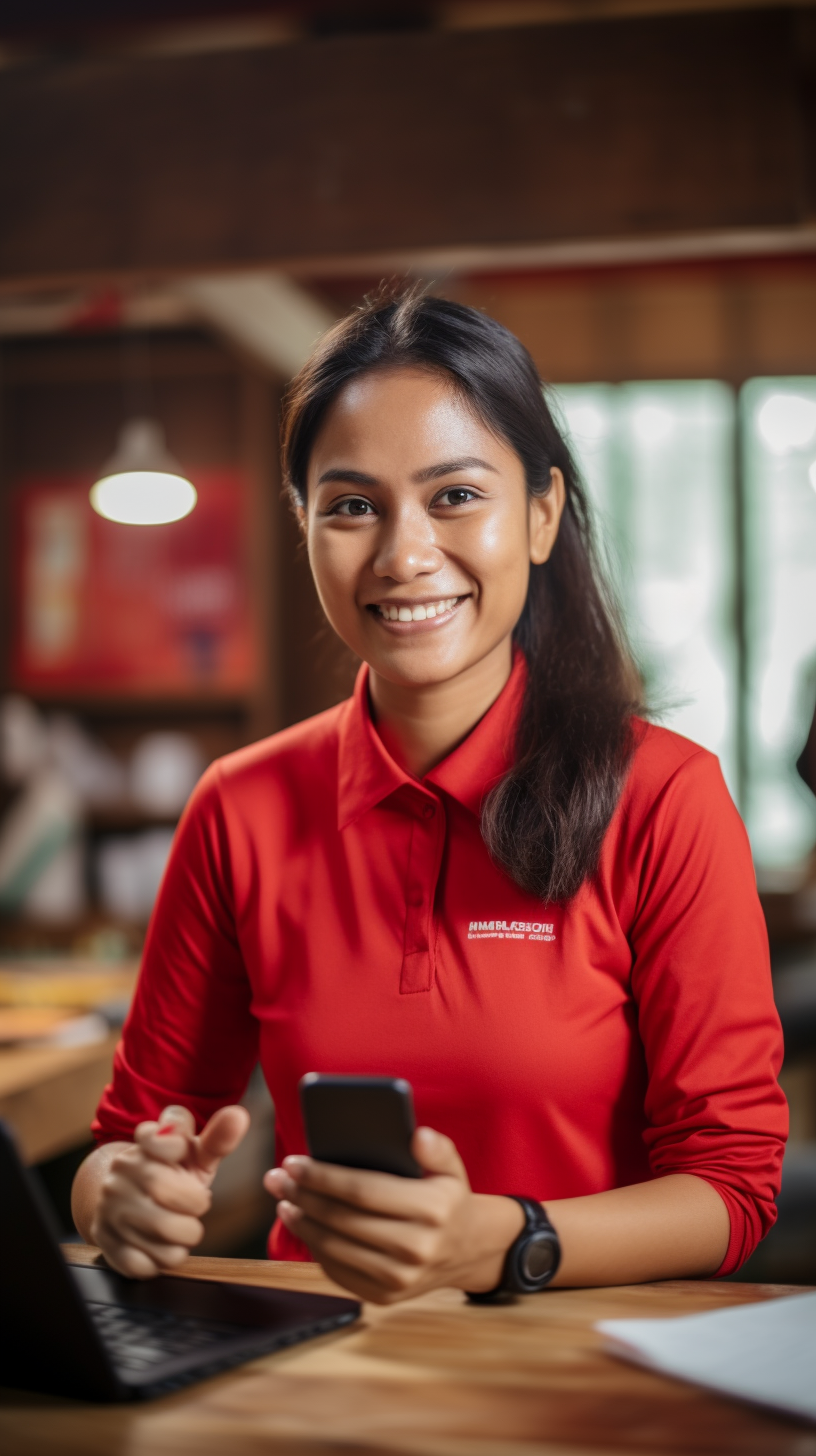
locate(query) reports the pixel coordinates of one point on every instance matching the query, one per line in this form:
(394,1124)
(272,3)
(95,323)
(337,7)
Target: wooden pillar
(260,410)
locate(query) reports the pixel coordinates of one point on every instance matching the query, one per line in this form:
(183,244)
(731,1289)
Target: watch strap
(535,1219)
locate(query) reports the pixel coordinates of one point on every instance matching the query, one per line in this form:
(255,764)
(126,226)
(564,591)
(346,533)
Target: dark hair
(544,823)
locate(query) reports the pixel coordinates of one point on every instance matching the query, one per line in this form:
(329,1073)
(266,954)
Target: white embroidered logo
(510,930)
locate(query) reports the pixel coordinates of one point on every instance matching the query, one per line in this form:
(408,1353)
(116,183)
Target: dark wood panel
(695,321)
(65,401)
(354,144)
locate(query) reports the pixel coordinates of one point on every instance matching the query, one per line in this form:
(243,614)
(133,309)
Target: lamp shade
(141,484)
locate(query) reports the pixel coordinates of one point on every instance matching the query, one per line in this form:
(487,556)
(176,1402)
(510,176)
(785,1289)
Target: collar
(368,774)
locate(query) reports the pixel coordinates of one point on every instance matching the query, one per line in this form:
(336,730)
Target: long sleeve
(701,980)
(190,1036)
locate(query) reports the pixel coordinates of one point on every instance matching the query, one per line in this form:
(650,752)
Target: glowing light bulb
(142,485)
(143,497)
(787,422)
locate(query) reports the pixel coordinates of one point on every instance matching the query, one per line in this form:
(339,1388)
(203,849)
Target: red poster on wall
(134,610)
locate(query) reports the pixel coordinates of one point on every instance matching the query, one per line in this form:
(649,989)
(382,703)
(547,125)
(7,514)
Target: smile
(422,612)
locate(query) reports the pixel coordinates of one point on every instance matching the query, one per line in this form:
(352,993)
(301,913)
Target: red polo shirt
(324,911)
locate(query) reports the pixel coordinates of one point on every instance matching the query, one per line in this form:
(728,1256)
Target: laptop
(92,1334)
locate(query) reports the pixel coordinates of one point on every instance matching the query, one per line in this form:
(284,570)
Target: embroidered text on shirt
(512,930)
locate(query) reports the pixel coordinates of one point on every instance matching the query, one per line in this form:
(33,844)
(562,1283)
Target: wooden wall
(62,403)
(642,127)
(715,319)
(720,320)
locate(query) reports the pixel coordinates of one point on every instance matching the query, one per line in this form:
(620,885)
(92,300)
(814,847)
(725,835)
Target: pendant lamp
(141,484)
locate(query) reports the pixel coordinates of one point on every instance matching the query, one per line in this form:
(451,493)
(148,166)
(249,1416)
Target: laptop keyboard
(139,1338)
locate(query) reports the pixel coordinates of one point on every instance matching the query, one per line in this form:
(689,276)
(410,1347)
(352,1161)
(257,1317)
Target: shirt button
(428,811)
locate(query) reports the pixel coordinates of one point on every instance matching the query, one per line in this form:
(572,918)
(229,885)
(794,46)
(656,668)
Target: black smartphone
(360,1122)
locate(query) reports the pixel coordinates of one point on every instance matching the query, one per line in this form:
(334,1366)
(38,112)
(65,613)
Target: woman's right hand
(156,1190)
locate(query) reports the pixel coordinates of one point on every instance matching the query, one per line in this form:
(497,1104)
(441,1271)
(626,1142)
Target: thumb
(435,1153)
(221,1136)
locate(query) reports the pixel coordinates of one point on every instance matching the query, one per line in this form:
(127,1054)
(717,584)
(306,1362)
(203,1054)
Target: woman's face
(420,529)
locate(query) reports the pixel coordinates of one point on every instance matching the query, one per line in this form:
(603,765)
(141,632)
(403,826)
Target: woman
(483,873)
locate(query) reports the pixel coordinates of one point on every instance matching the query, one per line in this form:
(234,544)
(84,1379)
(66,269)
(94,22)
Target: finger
(168,1140)
(164,1256)
(116,1250)
(170,1186)
(381,1193)
(121,1252)
(398,1238)
(156,1224)
(131,1262)
(277,1182)
(435,1153)
(358,1283)
(389,1275)
(181,1118)
(224,1131)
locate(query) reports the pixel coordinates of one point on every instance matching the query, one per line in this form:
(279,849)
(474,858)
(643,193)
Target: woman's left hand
(387,1238)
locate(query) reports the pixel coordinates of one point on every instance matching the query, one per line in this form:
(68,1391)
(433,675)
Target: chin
(416,669)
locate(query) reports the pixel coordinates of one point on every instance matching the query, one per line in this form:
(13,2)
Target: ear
(545,513)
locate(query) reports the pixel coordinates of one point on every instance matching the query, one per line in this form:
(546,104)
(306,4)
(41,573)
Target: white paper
(762,1352)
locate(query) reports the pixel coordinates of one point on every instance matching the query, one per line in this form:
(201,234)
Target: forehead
(403,420)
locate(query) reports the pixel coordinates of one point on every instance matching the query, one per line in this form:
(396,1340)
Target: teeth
(419,613)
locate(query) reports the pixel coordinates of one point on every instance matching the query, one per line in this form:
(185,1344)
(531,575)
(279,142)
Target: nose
(407,547)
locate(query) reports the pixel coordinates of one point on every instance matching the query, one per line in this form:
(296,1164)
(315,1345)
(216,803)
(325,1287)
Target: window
(778,422)
(682,525)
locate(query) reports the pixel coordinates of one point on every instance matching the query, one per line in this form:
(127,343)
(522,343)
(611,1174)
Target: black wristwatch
(532,1260)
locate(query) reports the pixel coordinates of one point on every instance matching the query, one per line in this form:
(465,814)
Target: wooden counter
(433,1376)
(49,1094)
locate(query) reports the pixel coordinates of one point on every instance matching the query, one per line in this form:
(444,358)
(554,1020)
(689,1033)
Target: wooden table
(49,1094)
(433,1376)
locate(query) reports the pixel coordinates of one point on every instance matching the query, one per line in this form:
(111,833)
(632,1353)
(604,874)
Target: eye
(354,506)
(455,495)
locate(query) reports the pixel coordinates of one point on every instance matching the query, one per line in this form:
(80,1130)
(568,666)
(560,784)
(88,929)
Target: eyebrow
(431,472)
(450,467)
(352,477)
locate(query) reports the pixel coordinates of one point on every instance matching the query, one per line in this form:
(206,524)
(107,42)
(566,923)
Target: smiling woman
(420,575)
(485,873)
(485,487)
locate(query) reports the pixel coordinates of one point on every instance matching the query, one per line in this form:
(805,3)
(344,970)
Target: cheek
(500,554)
(333,559)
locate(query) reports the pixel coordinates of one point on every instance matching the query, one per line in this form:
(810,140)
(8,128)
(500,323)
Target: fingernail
(296,1165)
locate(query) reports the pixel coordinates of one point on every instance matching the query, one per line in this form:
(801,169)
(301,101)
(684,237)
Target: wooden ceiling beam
(644,128)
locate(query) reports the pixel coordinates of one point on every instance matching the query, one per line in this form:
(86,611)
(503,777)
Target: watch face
(540,1256)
